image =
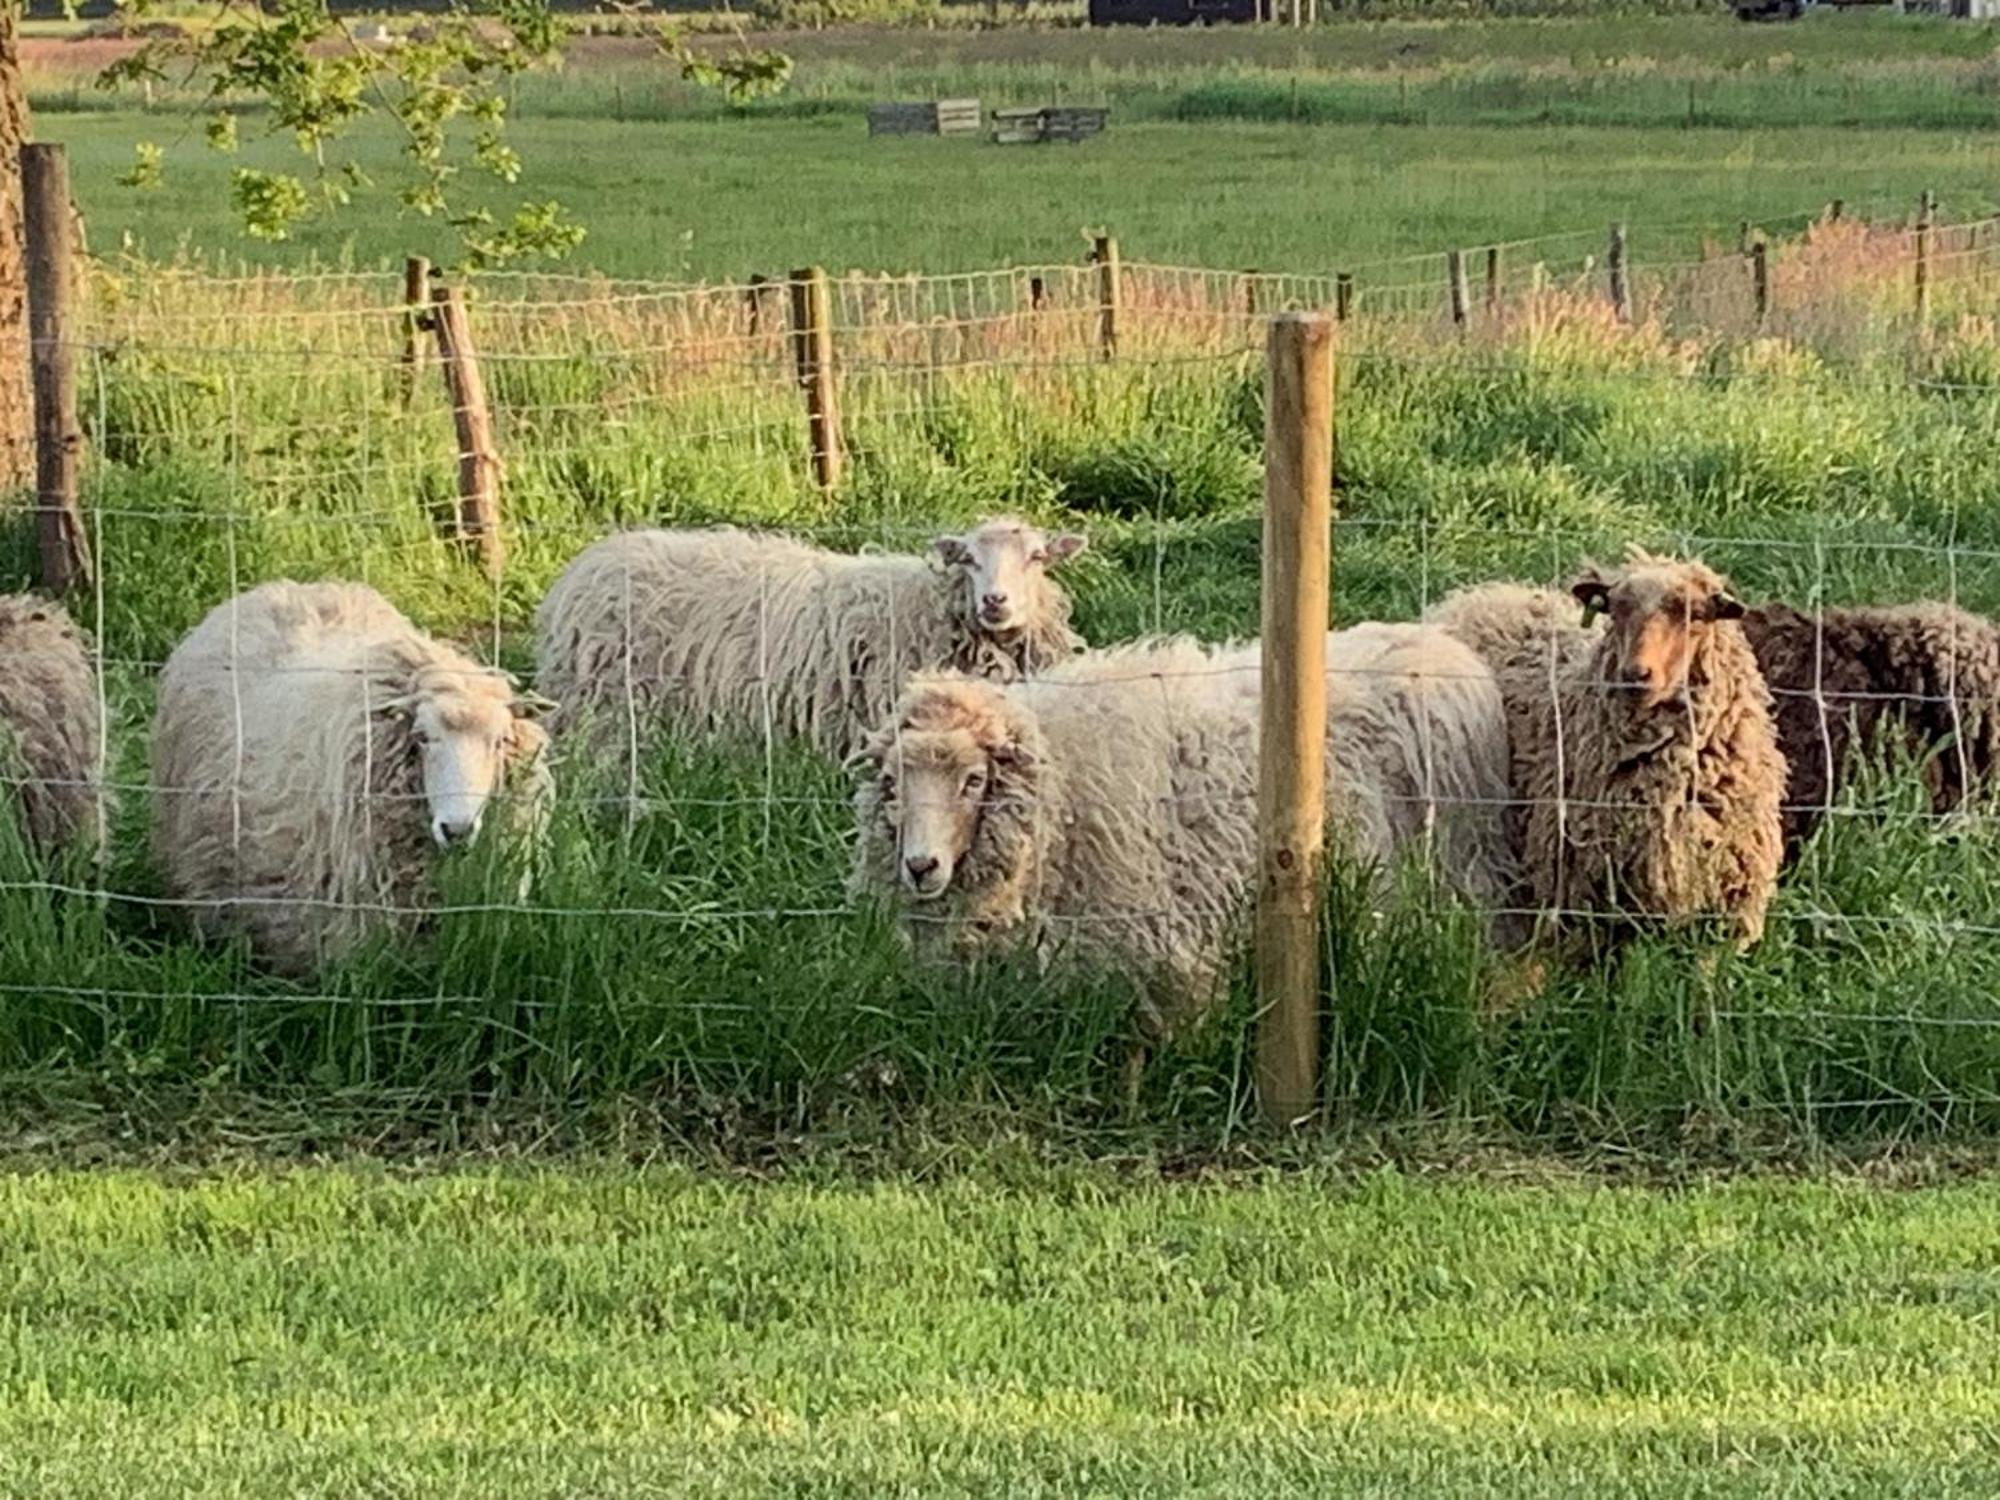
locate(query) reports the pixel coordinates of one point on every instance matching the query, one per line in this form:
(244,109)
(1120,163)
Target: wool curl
(289,801)
(1927,674)
(1625,814)
(1118,827)
(52,722)
(740,632)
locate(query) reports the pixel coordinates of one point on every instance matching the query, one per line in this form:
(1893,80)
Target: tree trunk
(17,407)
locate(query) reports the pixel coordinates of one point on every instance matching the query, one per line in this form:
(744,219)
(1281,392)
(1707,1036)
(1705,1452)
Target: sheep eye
(888,787)
(974,784)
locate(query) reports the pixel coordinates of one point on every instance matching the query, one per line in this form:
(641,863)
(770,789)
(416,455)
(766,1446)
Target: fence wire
(695,886)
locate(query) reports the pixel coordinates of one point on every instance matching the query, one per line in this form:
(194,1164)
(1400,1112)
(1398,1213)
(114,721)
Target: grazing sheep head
(1005,566)
(951,792)
(466,729)
(1661,611)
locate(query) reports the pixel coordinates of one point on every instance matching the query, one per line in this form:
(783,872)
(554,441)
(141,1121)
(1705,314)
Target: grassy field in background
(517,1335)
(1228,148)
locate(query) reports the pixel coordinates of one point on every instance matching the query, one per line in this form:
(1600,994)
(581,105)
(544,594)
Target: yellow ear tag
(1590,613)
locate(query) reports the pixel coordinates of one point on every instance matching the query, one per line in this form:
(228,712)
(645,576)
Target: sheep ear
(1066,546)
(529,705)
(1591,591)
(1012,754)
(528,739)
(871,752)
(1725,607)
(953,550)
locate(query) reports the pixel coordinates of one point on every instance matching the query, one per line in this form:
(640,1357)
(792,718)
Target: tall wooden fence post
(1109,285)
(1926,213)
(59,532)
(1760,280)
(1493,281)
(1291,772)
(812,355)
(472,419)
(1621,281)
(1343,296)
(1461,293)
(416,320)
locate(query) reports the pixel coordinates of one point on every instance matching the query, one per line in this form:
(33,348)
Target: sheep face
(1659,613)
(1004,565)
(949,804)
(465,730)
(933,789)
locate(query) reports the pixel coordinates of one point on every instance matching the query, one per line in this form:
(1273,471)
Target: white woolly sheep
(1107,808)
(313,751)
(50,720)
(732,631)
(1645,761)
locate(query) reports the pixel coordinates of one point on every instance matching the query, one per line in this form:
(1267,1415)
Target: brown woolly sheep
(1645,759)
(1928,673)
(49,713)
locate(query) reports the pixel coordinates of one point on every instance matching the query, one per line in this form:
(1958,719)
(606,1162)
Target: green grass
(1025,1330)
(695,948)
(1313,150)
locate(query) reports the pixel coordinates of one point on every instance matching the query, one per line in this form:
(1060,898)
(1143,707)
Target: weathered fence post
(472,418)
(1835,210)
(1250,308)
(1461,294)
(416,321)
(1926,213)
(1038,294)
(1291,772)
(1492,281)
(1760,280)
(812,354)
(1105,255)
(1621,282)
(1343,296)
(63,545)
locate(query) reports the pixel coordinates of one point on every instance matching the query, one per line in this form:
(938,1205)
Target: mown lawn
(1020,1331)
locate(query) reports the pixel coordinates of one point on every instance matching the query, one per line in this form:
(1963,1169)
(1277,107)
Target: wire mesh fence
(687,910)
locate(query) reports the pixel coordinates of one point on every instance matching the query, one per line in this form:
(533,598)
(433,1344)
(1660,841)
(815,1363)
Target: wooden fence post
(472,418)
(1621,284)
(60,538)
(1926,212)
(1250,305)
(812,354)
(416,320)
(1835,210)
(1291,771)
(1109,278)
(1492,281)
(1760,280)
(1461,294)
(1343,296)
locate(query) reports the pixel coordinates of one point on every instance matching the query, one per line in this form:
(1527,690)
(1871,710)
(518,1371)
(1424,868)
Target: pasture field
(1226,149)
(1010,1328)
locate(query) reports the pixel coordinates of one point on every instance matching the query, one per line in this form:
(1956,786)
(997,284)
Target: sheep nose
(449,831)
(921,866)
(993,602)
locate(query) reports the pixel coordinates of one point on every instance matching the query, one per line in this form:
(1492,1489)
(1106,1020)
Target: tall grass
(692,940)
